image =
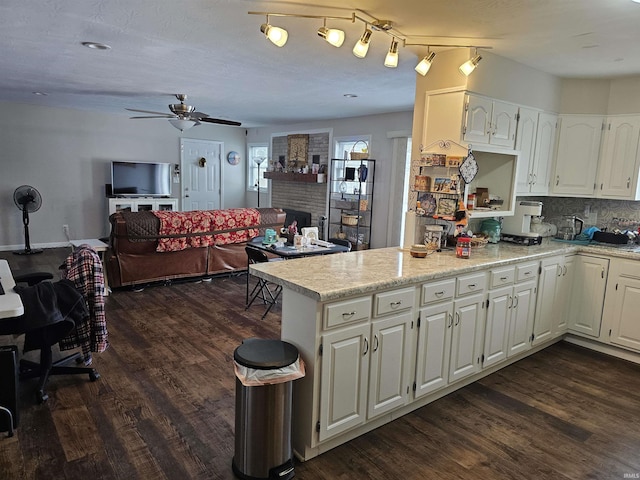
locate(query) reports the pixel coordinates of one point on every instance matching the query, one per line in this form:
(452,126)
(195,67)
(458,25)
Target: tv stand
(139,204)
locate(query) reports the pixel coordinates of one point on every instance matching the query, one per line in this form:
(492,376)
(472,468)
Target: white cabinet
(466,337)
(142,204)
(434,337)
(554,290)
(587,299)
(536,140)
(577,155)
(490,121)
(622,304)
(618,168)
(510,310)
(365,365)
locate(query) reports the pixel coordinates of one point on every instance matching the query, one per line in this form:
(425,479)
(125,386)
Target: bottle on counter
(463,247)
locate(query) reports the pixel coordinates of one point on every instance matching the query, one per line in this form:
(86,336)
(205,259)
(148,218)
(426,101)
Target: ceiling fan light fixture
(182,124)
(276,35)
(391,60)
(470,65)
(425,64)
(362,46)
(333,36)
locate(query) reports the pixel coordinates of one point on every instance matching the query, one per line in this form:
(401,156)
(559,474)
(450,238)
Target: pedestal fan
(28,200)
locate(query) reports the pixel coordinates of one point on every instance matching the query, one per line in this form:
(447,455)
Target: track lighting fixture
(470,65)
(391,60)
(362,47)
(333,36)
(278,36)
(425,64)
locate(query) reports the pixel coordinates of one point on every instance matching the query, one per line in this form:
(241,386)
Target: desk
(292,252)
(10,303)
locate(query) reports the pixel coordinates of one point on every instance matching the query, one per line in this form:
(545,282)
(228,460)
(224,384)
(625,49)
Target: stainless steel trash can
(263,413)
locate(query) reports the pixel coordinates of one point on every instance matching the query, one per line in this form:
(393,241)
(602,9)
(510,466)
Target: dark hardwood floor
(164,405)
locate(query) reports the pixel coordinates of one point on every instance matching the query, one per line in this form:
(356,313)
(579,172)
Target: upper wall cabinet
(490,121)
(535,139)
(618,167)
(577,155)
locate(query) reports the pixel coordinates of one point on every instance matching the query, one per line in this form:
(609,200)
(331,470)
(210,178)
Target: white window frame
(342,147)
(254,171)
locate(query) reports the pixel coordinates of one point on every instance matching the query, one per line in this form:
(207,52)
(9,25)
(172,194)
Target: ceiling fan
(184,116)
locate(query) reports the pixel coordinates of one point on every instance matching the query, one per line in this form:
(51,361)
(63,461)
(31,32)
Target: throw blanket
(177,229)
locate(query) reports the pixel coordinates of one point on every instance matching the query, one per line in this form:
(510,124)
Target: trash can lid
(264,354)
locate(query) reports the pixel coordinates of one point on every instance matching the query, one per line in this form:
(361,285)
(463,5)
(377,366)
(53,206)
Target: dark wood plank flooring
(164,406)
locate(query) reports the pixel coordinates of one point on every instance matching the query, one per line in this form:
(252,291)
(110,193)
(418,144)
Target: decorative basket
(360,155)
(479,242)
(350,220)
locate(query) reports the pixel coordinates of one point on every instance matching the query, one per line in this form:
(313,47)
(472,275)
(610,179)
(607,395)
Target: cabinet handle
(457,319)
(559,274)
(530,178)
(439,294)
(375,343)
(602,272)
(395,304)
(349,314)
(450,320)
(516,301)
(564,270)
(557,180)
(628,182)
(504,279)
(472,286)
(366,346)
(527,273)
(510,301)
(535,178)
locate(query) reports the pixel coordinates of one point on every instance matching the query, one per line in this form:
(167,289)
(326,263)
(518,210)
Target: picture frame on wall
(446,207)
(445,185)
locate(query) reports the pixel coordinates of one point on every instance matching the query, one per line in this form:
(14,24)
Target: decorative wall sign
(297,150)
(233,158)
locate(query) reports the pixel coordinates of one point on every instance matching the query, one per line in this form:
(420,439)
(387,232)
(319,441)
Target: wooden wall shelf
(292,177)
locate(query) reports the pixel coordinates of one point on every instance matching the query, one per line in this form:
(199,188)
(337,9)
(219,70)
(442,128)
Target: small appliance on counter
(517,229)
(570,227)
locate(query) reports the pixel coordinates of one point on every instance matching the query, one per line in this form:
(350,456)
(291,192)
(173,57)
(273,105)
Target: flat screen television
(141,179)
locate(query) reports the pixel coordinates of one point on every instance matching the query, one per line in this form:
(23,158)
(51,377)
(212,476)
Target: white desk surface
(10,303)
(97,245)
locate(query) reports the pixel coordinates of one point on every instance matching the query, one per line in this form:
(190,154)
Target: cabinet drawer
(437,291)
(395,301)
(349,311)
(502,277)
(474,283)
(526,271)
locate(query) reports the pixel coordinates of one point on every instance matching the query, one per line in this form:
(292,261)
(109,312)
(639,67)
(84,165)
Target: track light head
(333,36)
(362,47)
(391,60)
(425,64)
(470,65)
(278,36)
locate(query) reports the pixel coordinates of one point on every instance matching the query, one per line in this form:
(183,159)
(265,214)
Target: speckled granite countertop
(331,277)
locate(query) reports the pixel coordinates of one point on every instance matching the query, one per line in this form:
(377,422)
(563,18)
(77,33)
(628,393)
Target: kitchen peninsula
(383,333)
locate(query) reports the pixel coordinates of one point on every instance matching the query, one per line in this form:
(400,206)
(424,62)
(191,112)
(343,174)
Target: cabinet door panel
(434,347)
(626,327)
(345,359)
(522,312)
(389,364)
(466,337)
(525,142)
(551,269)
(478,120)
(497,326)
(617,175)
(504,121)
(577,158)
(590,281)
(544,153)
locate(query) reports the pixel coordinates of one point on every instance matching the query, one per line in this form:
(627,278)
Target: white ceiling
(213,51)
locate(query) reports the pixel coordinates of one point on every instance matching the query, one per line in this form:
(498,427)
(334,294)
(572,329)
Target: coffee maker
(517,229)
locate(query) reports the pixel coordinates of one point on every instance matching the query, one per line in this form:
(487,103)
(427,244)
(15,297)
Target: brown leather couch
(133,260)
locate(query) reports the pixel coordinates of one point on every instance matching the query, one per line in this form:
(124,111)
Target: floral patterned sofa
(147,247)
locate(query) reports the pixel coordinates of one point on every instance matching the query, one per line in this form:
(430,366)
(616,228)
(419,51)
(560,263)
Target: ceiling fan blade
(157,116)
(221,121)
(198,115)
(149,111)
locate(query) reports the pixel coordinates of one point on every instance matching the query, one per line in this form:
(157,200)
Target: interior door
(201,178)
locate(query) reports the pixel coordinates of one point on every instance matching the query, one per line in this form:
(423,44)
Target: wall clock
(233,158)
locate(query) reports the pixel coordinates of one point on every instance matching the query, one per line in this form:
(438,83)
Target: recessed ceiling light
(96,45)
(41,94)
(353,95)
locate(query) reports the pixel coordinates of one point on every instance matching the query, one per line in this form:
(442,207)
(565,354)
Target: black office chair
(341,241)
(262,289)
(38,300)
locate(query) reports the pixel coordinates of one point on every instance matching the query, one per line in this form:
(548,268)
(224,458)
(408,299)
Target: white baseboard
(6,248)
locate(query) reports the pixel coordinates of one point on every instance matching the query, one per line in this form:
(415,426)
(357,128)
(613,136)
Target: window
(343,148)
(258,160)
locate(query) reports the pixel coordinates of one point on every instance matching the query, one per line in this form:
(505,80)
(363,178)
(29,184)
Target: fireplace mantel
(292,177)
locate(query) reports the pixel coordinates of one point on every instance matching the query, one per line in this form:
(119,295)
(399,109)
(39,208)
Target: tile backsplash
(610,213)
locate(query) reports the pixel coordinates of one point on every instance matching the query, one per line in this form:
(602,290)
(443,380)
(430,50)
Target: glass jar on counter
(463,247)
